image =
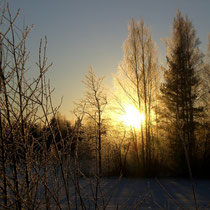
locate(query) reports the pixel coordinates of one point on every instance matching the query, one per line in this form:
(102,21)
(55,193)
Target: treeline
(173,139)
(42,152)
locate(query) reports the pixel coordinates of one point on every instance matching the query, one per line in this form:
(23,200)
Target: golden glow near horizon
(132,117)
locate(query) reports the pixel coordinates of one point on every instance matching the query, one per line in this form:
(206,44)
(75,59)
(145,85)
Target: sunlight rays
(132,117)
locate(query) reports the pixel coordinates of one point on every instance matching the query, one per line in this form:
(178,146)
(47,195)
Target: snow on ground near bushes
(128,193)
(133,193)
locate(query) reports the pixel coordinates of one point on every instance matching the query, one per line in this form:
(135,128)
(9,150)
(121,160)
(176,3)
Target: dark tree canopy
(180,89)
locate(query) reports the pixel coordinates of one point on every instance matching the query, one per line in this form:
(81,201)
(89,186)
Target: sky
(81,33)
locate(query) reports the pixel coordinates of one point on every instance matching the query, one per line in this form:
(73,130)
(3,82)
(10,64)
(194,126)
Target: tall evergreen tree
(180,89)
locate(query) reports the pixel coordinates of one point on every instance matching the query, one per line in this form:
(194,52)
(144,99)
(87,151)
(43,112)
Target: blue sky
(91,32)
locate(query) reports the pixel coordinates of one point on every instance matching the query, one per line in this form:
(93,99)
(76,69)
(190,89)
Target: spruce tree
(180,89)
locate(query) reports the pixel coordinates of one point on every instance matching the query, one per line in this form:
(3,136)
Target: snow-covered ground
(129,193)
(166,194)
(135,193)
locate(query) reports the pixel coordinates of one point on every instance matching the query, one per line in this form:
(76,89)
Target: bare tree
(96,101)
(138,71)
(24,103)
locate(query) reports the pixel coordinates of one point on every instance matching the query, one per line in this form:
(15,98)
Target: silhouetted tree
(24,102)
(203,132)
(180,89)
(96,101)
(138,79)
(63,133)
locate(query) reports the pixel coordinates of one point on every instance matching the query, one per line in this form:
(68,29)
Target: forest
(153,123)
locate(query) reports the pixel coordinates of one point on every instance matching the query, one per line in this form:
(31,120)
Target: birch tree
(96,101)
(137,78)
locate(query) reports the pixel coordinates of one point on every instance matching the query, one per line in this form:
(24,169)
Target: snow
(135,193)
(130,193)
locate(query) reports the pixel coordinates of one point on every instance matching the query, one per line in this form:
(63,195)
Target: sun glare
(132,117)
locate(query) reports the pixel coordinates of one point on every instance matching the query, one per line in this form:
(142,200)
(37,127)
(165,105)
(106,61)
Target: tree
(14,105)
(180,89)
(204,121)
(137,78)
(24,103)
(96,101)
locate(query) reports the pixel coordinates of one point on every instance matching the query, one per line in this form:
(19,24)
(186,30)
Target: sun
(132,117)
